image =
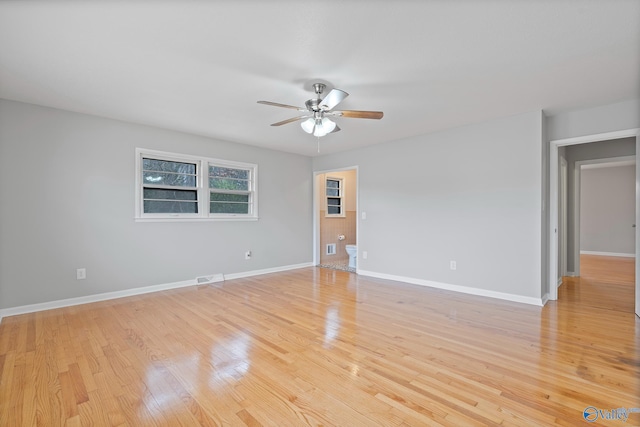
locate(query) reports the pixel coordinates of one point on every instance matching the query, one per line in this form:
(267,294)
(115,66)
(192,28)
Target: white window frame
(202,188)
(340,195)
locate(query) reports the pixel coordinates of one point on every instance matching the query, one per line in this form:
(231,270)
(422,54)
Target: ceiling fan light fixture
(308,125)
(323,127)
(319,129)
(314,121)
(329,125)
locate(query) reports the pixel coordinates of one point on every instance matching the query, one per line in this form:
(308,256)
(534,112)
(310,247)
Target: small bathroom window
(335,197)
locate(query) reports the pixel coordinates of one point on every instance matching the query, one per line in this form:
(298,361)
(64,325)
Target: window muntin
(174,186)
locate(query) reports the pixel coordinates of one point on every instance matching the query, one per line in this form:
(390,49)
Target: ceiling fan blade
(332,99)
(354,114)
(336,129)
(275,104)
(291,120)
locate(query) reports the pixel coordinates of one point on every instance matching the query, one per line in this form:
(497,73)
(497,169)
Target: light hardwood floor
(321,347)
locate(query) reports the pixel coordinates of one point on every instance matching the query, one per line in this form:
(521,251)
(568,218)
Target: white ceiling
(200,66)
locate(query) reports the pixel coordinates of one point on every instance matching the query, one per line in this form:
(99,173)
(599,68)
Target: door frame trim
(554,190)
(316,209)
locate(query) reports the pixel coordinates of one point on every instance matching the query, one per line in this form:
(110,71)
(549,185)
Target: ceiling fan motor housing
(319,88)
(313,105)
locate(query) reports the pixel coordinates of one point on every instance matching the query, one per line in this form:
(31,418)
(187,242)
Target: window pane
(217,171)
(333,192)
(333,210)
(152,193)
(173,179)
(333,201)
(229,208)
(332,183)
(154,206)
(228,184)
(223,197)
(173,184)
(167,166)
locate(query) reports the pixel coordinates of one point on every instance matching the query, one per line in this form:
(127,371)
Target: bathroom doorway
(336,219)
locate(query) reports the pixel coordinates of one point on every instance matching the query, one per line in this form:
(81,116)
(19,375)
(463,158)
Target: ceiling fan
(318,112)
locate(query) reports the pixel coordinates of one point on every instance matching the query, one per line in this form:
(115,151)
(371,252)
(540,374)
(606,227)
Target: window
(169,187)
(229,190)
(335,197)
(175,186)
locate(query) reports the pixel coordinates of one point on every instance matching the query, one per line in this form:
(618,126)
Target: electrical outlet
(453,265)
(247,255)
(81,273)
(364,254)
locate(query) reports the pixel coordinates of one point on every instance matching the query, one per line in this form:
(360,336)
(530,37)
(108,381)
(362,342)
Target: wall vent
(206,280)
(331,249)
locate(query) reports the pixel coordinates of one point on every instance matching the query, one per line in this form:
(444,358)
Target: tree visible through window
(229,190)
(180,186)
(169,187)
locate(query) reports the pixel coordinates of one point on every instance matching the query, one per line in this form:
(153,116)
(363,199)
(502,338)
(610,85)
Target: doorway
(605,196)
(335,219)
(555,222)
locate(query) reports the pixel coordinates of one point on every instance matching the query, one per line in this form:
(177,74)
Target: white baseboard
(267,271)
(456,288)
(13,311)
(616,254)
(545,298)
(31,308)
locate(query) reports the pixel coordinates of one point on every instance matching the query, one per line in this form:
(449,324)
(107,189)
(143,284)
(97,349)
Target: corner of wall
(545,213)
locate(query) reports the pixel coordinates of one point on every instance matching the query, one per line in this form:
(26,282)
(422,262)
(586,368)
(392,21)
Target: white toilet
(352,250)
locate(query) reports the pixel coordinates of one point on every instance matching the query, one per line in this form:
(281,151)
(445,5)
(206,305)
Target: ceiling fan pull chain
(318,144)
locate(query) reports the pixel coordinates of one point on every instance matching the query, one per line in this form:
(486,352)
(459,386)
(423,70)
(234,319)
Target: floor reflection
(331,324)
(159,393)
(335,294)
(577,324)
(230,359)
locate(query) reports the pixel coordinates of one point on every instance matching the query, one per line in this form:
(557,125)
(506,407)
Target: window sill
(184,219)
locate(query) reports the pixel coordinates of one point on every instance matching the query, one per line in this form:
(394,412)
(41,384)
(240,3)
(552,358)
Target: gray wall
(608,209)
(67,186)
(471,194)
(591,121)
(581,152)
(546,216)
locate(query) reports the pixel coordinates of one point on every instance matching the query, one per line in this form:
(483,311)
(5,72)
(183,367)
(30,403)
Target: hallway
(606,283)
